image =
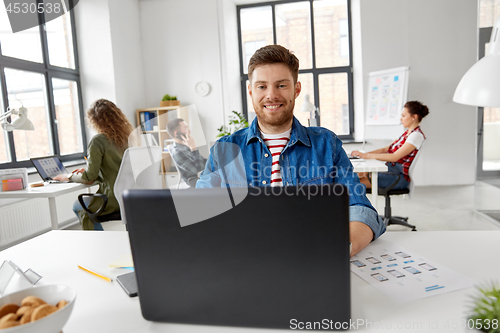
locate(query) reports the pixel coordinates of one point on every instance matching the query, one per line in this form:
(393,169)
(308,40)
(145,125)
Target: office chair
(181,184)
(147,139)
(139,169)
(387,192)
(96,217)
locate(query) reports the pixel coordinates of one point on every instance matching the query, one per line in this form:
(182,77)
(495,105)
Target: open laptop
(48,167)
(279,257)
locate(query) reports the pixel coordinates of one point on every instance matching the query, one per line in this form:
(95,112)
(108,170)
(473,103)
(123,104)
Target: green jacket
(104,160)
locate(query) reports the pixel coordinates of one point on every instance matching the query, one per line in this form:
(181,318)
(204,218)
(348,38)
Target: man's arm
(365,223)
(197,160)
(188,162)
(209,178)
(193,154)
(360,235)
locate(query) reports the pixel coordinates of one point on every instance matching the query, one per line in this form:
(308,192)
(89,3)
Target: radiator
(23,220)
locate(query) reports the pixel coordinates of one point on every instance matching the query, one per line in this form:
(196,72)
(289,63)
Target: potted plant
(486,309)
(168,100)
(236,122)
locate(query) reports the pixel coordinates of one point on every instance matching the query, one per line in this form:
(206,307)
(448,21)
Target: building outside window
(39,70)
(318,33)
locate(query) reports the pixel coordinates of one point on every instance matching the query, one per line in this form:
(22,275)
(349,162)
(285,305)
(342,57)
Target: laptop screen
(49,167)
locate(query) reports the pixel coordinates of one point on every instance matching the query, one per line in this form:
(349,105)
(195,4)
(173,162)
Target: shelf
(162,116)
(162,108)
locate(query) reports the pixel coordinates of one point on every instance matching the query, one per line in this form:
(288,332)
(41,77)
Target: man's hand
(361,236)
(189,141)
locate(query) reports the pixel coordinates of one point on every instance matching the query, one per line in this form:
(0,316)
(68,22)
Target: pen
(86,160)
(96,274)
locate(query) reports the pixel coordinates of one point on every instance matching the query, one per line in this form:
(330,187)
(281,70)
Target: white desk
(104,307)
(374,167)
(49,191)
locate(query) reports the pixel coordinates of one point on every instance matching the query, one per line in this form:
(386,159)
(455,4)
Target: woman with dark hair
(400,154)
(105,153)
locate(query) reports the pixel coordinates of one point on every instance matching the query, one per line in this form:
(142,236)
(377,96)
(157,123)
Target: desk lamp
(480,86)
(22,122)
(307,106)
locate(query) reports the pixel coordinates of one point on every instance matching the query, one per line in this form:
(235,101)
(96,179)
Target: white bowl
(51,294)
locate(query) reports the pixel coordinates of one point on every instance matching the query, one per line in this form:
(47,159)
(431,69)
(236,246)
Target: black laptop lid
(48,167)
(278,256)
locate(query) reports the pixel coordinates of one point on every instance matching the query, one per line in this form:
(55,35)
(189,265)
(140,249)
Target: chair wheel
(414,229)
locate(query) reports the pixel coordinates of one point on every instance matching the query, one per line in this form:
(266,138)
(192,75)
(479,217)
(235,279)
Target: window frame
(484,38)
(49,72)
(314,71)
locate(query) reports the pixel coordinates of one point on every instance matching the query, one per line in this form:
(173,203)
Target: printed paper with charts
(405,276)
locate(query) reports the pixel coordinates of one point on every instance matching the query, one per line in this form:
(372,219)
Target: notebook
(48,167)
(279,255)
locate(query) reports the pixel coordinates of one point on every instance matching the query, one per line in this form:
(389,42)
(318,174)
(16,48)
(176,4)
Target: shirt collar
(299,133)
(179,145)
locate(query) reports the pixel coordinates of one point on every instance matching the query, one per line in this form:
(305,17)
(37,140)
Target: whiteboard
(387,93)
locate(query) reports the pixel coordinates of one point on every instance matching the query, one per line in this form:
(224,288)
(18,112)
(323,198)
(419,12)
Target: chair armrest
(98,212)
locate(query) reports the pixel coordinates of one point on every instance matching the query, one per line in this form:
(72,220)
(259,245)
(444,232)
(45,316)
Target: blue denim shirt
(313,156)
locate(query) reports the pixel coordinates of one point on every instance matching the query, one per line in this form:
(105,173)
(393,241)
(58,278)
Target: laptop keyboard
(53,181)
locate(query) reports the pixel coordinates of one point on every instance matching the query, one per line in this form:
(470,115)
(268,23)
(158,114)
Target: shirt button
(264,182)
(266,155)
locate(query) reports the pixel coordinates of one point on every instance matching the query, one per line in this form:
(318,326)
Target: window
(343,39)
(251,47)
(318,32)
(39,71)
(489,117)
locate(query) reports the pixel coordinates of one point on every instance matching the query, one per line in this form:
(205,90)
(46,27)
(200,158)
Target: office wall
(183,42)
(94,52)
(438,40)
(182,46)
(127,56)
(110,54)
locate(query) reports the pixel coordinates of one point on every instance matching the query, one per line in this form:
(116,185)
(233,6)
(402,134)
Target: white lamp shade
(307,106)
(23,123)
(480,86)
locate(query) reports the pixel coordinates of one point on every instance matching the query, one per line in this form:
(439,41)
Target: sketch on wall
(387,93)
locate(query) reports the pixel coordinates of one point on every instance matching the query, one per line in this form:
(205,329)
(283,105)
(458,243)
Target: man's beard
(274,119)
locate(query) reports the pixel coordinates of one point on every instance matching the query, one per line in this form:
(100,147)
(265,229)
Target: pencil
(96,274)
(86,160)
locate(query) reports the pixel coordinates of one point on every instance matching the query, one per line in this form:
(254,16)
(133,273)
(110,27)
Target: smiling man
(278,151)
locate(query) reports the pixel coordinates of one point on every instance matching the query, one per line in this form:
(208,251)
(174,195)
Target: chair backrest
(412,169)
(140,169)
(181,184)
